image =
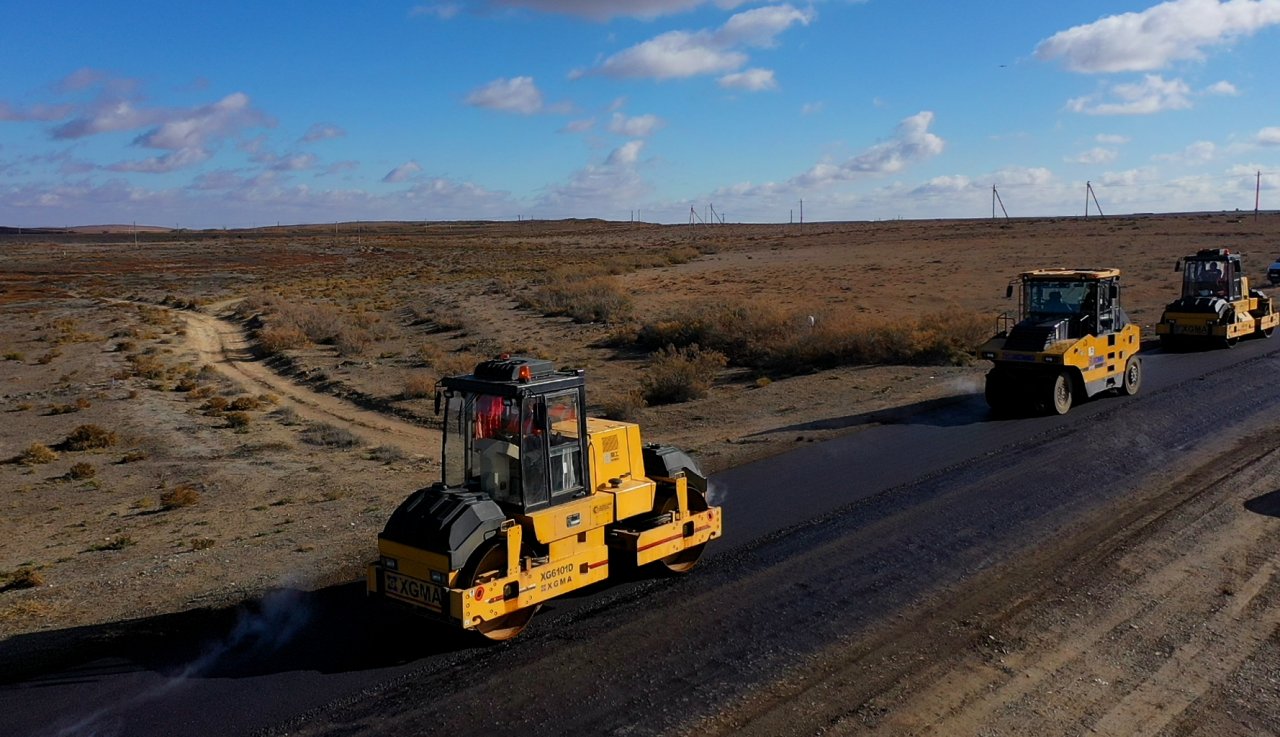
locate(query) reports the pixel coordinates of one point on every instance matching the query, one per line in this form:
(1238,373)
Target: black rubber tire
(1060,394)
(1132,380)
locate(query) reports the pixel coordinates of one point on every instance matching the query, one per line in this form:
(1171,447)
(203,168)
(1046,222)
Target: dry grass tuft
(23,578)
(591,299)
(329,436)
(680,374)
(37,454)
(89,437)
(81,471)
(182,495)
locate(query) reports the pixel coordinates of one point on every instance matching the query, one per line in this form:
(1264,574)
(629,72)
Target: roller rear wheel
(489,565)
(1132,376)
(1060,394)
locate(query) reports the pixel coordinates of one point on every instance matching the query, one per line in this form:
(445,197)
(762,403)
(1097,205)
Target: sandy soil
(295,491)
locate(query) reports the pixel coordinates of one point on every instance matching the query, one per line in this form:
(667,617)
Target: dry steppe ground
(196,417)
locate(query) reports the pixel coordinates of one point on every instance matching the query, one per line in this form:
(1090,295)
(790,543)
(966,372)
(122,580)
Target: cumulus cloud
(625,155)
(1154,94)
(515,95)
(751,80)
(403,173)
(910,143)
(603,10)
(640,126)
(120,115)
(679,54)
(36,113)
(194,128)
(1158,36)
(1224,88)
(1269,136)
(1096,155)
(322,132)
(1198,152)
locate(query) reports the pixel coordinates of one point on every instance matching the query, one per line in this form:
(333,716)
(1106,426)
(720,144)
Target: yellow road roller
(536,500)
(1069,340)
(1217,308)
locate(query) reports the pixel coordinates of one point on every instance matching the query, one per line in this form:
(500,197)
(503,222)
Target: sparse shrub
(89,437)
(594,299)
(274,340)
(244,404)
(215,405)
(14,356)
(352,341)
(267,398)
(185,384)
(387,454)
(62,409)
(182,495)
(82,403)
(81,471)
(23,578)
(47,357)
(329,436)
(201,392)
(286,416)
(125,346)
(419,386)
(38,453)
(681,374)
(623,405)
(238,420)
(202,543)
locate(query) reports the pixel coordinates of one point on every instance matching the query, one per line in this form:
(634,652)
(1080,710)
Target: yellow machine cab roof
(1070,274)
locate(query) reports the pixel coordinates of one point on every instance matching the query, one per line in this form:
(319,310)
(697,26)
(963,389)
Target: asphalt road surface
(822,545)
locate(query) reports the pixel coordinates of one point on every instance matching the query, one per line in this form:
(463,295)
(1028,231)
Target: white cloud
(195,128)
(1156,37)
(179,159)
(1152,95)
(812,108)
(641,126)
(1111,139)
(954,184)
(1097,155)
(910,143)
(38,113)
(116,116)
(1019,176)
(1198,152)
(1223,88)
(1268,136)
(579,126)
(679,54)
(322,132)
(751,80)
(625,155)
(603,10)
(402,173)
(515,95)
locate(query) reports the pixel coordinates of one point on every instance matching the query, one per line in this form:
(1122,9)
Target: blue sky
(229,115)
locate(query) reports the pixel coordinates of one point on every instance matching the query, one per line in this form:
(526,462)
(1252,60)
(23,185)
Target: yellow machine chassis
(578,556)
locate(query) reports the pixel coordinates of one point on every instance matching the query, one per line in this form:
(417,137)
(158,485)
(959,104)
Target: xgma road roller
(536,500)
(1069,340)
(1217,307)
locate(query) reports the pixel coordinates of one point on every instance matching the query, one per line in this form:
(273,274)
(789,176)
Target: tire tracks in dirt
(223,345)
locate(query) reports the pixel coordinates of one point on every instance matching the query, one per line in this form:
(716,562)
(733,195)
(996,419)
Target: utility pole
(995,197)
(802,212)
(1257,195)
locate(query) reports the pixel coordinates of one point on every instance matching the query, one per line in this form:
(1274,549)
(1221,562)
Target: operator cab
(1071,304)
(515,430)
(1212,272)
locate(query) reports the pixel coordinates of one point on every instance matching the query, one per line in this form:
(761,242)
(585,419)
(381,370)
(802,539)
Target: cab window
(565,449)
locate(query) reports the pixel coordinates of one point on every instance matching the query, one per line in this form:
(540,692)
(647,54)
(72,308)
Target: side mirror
(1177,266)
(1114,289)
(438,393)
(1008,292)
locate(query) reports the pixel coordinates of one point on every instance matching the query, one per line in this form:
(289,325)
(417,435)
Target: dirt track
(223,344)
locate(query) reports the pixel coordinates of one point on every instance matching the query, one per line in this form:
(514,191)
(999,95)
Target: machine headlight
(1050,359)
(988,354)
(437,577)
(391,564)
